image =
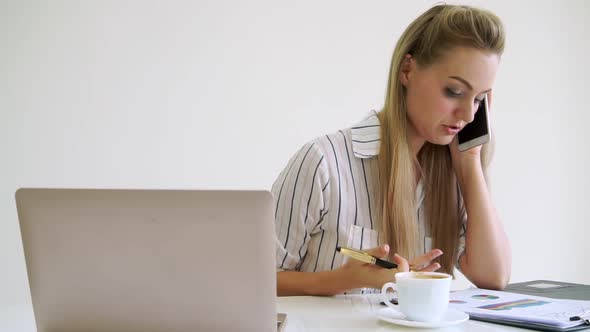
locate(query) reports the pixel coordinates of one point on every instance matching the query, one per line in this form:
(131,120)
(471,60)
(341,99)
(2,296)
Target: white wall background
(219,94)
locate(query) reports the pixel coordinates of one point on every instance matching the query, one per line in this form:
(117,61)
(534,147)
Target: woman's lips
(452,130)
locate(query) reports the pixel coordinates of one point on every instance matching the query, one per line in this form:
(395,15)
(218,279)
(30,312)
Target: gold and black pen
(366,258)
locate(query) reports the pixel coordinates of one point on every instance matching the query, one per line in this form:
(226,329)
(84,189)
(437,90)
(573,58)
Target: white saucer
(451,317)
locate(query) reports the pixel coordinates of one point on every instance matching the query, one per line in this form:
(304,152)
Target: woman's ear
(406,68)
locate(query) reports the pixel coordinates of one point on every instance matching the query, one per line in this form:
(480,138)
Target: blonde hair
(437,30)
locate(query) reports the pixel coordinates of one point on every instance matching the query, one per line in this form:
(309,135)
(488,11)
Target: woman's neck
(415,141)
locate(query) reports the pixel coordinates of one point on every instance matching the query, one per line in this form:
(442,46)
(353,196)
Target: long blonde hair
(437,30)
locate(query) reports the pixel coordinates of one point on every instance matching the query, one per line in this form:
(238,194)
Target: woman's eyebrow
(464,81)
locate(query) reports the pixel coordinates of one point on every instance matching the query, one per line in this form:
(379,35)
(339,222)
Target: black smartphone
(478,131)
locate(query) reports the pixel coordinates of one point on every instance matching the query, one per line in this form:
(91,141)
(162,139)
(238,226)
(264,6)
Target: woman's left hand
(424,263)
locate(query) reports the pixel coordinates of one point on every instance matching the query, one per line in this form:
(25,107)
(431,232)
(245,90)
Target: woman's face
(444,96)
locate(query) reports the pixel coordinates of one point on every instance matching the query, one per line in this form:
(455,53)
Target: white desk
(304,313)
(355,313)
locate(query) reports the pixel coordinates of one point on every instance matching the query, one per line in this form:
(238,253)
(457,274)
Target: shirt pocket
(362,238)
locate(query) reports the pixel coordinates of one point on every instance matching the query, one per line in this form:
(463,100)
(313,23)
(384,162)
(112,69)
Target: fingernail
(386,247)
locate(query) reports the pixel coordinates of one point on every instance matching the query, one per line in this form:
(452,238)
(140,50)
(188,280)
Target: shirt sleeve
(300,194)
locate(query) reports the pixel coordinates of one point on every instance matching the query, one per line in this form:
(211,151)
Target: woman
(396,185)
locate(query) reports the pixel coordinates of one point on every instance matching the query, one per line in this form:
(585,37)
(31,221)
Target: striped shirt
(326,197)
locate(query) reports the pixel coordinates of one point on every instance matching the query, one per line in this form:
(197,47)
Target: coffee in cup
(422,296)
(423,275)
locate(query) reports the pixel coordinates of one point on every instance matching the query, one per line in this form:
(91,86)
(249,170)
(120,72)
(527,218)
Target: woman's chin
(444,140)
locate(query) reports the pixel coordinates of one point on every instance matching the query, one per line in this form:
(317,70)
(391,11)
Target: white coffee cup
(422,296)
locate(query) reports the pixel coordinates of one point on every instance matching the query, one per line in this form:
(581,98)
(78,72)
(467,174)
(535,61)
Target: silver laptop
(149,260)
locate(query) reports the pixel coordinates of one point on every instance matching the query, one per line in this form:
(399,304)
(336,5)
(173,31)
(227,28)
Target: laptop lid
(149,260)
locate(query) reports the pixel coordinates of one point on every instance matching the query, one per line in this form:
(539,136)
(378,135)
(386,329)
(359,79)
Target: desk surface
(304,313)
(355,313)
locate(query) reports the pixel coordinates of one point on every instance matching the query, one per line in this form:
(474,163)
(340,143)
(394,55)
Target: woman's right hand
(357,274)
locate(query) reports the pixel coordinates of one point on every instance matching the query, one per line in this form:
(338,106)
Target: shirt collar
(366,140)
(366,137)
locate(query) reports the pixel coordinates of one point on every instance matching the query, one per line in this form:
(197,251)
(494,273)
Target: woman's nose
(466,113)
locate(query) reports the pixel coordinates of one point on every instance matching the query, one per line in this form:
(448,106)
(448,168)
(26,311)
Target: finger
(431,268)
(455,142)
(490,100)
(426,258)
(380,252)
(402,263)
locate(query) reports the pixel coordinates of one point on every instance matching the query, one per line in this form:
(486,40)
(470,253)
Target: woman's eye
(452,92)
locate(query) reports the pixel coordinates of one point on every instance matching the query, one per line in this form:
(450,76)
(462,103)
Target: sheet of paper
(518,307)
